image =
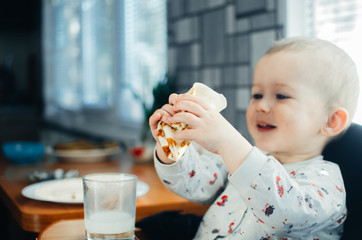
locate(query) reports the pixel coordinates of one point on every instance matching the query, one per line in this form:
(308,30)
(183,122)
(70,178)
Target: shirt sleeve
(306,199)
(198,176)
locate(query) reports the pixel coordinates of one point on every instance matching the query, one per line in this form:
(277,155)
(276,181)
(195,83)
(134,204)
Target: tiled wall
(218,42)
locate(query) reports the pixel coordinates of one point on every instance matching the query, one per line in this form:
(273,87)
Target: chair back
(346,151)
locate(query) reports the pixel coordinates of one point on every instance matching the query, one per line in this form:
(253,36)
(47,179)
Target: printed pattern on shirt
(268,208)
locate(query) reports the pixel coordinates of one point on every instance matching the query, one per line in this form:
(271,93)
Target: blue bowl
(23,152)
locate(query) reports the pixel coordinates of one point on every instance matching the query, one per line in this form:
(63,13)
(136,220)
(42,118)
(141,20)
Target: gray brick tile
(213,40)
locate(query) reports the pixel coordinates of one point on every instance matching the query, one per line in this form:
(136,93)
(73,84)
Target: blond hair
(336,75)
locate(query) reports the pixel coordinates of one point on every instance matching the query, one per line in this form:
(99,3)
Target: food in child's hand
(175,149)
(207,94)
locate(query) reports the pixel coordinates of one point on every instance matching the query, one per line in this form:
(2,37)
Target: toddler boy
(304,93)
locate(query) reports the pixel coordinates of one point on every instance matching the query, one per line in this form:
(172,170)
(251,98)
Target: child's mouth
(265,126)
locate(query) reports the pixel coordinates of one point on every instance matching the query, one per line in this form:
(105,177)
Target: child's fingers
(192,107)
(168,109)
(153,120)
(188,97)
(192,120)
(163,114)
(173,98)
(186,134)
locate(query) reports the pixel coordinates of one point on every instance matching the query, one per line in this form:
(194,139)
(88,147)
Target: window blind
(101,61)
(338,21)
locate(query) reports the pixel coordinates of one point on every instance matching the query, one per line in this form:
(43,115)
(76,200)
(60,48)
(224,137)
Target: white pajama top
(263,199)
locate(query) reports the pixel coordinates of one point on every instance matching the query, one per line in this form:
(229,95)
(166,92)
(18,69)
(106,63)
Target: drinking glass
(109,205)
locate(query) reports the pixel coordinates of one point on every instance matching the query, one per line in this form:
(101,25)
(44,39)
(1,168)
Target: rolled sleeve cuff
(167,169)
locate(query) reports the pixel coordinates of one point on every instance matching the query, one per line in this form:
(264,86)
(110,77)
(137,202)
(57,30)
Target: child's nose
(263,106)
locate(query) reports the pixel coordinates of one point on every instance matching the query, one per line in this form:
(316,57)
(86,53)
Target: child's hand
(207,126)
(209,129)
(162,114)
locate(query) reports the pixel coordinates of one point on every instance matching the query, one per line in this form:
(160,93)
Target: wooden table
(34,216)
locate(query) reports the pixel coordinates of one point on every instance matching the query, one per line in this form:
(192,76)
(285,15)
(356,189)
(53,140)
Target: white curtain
(339,21)
(101,61)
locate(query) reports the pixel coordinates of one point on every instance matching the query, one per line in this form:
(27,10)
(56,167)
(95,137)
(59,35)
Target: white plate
(87,155)
(65,190)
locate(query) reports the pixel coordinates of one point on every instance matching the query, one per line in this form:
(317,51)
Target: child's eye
(282,96)
(257,96)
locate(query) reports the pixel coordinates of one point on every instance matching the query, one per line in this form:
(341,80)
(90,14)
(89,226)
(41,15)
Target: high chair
(346,151)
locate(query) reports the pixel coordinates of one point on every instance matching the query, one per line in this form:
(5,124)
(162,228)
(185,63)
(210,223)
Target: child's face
(286,113)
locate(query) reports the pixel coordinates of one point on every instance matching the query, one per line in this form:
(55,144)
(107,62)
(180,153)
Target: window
(338,21)
(101,61)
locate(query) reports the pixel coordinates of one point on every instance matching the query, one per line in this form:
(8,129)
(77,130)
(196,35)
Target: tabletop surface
(34,216)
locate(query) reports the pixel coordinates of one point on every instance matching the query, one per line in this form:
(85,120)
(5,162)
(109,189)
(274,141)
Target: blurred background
(91,67)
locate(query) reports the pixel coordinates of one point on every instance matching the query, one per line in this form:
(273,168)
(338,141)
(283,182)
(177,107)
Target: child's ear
(336,123)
